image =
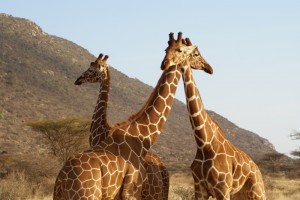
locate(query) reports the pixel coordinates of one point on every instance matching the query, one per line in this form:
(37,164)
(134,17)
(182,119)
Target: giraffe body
(219,169)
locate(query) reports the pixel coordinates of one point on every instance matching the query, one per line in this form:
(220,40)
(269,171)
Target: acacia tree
(64,136)
(270,162)
(295,135)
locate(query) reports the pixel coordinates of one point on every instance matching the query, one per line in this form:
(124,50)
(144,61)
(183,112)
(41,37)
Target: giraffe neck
(200,120)
(151,118)
(99,127)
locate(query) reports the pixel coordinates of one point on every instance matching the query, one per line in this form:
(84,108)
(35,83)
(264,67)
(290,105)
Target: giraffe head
(97,71)
(182,52)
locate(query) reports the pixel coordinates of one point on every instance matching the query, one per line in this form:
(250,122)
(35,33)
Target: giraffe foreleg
(201,192)
(132,184)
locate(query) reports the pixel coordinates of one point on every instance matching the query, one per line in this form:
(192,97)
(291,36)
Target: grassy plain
(17,185)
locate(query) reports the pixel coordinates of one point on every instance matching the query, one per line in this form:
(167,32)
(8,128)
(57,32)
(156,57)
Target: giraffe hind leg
(254,187)
(256,192)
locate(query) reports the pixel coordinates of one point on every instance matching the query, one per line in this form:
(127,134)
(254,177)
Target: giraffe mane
(137,115)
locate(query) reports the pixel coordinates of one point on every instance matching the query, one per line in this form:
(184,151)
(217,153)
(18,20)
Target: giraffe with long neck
(98,72)
(219,169)
(117,164)
(156,185)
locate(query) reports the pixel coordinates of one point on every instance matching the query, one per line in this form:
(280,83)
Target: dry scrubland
(17,185)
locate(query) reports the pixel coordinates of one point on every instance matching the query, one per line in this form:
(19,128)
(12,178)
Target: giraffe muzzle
(78,81)
(207,68)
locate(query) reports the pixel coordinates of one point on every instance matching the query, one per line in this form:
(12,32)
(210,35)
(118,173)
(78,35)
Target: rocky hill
(37,74)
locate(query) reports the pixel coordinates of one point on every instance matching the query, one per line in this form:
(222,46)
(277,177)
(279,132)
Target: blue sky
(252,46)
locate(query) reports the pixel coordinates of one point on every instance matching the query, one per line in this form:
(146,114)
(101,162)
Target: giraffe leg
(200,187)
(222,191)
(57,194)
(252,192)
(132,184)
(222,195)
(252,195)
(156,187)
(165,179)
(254,187)
(201,192)
(255,191)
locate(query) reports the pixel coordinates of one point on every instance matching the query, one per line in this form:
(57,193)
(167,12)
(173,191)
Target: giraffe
(98,72)
(156,185)
(219,169)
(116,164)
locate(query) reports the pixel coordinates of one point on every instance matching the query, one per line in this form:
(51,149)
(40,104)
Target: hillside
(37,74)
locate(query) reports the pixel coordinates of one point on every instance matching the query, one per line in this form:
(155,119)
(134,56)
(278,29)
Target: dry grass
(17,186)
(281,188)
(277,187)
(181,187)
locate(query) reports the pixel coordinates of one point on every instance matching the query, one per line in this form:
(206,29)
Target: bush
(17,186)
(64,136)
(183,193)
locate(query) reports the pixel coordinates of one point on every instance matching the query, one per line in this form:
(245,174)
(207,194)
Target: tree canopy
(64,136)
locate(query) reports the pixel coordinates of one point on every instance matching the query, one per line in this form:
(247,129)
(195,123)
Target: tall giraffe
(219,169)
(116,164)
(98,72)
(157,184)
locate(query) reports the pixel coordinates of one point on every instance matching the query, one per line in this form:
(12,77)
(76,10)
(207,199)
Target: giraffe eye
(179,50)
